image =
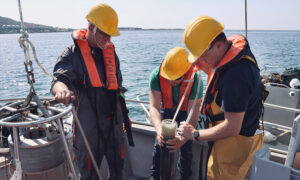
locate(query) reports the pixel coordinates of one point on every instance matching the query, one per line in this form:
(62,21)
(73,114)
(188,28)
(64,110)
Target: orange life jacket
(166,90)
(237,52)
(109,62)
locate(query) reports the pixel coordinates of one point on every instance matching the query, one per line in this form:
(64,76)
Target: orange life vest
(236,53)
(166,90)
(109,62)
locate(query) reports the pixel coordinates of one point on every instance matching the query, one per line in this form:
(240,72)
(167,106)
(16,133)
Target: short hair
(220,37)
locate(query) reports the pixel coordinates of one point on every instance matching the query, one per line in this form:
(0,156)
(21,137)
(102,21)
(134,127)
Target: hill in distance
(10,26)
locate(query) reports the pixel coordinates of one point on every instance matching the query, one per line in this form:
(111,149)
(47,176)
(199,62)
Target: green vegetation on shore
(10,26)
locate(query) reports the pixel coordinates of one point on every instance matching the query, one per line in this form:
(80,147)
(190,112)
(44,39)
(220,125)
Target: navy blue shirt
(240,90)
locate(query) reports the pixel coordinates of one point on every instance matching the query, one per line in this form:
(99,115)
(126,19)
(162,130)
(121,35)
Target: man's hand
(186,130)
(62,93)
(160,140)
(64,96)
(124,129)
(175,143)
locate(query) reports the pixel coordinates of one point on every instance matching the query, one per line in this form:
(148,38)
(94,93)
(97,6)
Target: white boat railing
(147,113)
(282,107)
(277,84)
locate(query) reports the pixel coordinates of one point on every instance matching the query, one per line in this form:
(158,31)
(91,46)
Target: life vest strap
(108,58)
(89,62)
(110,67)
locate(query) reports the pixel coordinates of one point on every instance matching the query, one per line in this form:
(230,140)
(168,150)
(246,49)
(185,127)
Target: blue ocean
(139,51)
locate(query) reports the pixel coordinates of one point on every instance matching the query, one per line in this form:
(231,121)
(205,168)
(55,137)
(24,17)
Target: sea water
(139,51)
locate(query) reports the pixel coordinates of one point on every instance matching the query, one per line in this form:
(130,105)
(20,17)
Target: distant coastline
(10,26)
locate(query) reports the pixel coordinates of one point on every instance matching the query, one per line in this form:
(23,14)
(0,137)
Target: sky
(262,14)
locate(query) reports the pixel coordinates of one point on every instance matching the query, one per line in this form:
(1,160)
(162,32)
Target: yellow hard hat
(199,34)
(175,64)
(104,18)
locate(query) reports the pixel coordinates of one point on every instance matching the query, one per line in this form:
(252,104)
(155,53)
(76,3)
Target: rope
(24,44)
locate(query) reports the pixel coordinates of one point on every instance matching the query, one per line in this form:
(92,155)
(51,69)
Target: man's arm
(231,126)
(155,107)
(194,119)
(64,72)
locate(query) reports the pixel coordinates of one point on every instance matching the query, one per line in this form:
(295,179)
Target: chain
(23,41)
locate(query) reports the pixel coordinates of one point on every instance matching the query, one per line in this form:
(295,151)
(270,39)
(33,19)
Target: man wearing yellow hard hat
(233,98)
(167,85)
(88,74)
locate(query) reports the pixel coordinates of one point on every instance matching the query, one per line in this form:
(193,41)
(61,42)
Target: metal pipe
(277,126)
(137,101)
(62,134)
(10,105)
(40,120)
(30,115)
(40,105)
(183,97)
(11,118)
(246,21)
(278,151)
(18,172)
(52,98)
(22,98)
(144,108)
(195,101)
(86,143)
(55,109)
(294,145)
(282,107)
(16,143)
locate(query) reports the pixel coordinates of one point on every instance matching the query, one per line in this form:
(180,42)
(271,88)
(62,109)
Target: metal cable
(246,23)
(24,44)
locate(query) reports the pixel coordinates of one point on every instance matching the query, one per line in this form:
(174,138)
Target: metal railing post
(294,145)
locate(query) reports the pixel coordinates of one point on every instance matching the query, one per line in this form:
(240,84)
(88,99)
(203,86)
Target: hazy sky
(262,14)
